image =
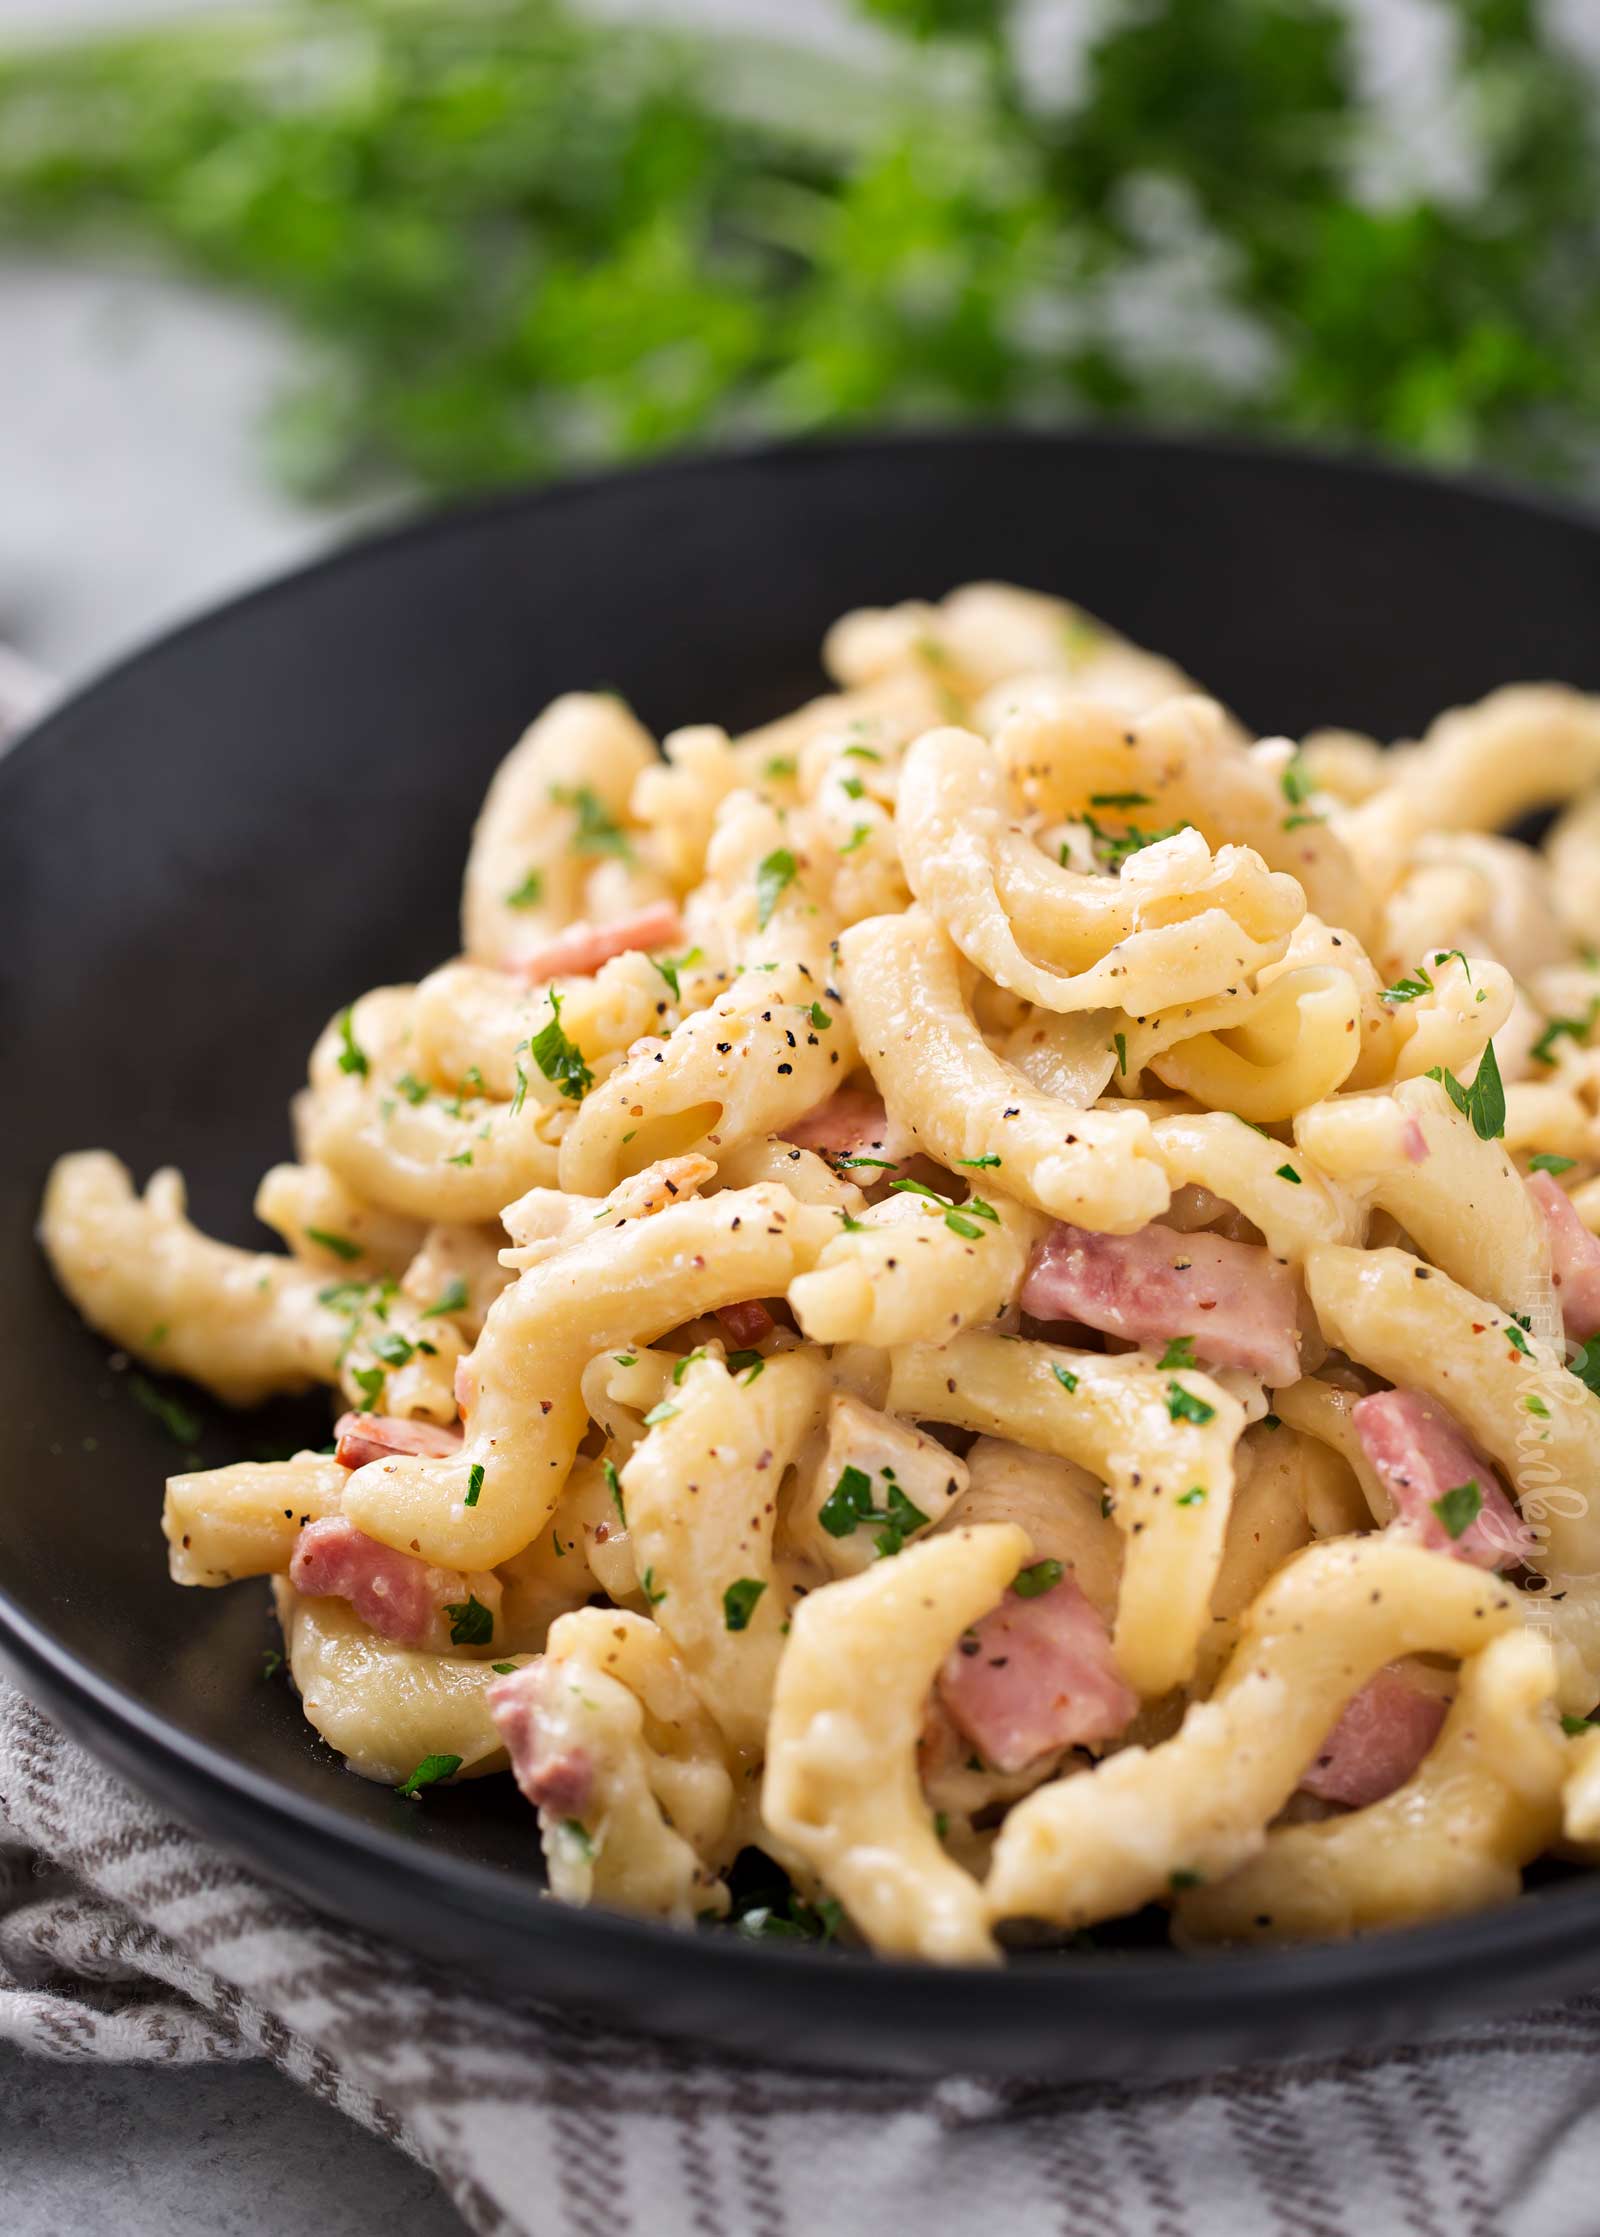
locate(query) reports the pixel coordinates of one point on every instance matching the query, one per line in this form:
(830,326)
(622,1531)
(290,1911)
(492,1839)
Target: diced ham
(1419,1452)
(393,1592)
(747,1323)
(580,950)
(1575,1257)
(1034,1676)
(1386,1730)
(1238,1303)
(1414,1141)
(361,1438)
(554,1773)
(853,1122)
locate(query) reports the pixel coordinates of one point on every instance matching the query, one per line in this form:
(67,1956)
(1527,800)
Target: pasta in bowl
(984,1290)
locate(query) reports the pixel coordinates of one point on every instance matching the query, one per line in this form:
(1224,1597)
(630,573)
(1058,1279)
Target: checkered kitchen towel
(123,1937)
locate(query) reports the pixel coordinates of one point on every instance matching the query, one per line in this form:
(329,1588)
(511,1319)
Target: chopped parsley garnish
(352,1056)
(471,1623)
(1548,1162)
(687,1361)
(860,833)
(1293,823)
(955,1215)
(625,1359)
(370,1381)
(775,873)
(1120,1043)
(747,1363)
(739,1601)
(852,787)
(503,1669)
(340,1245)
(474,1484)
(180,1424)
(608,1469)
(578,1834)
(1296,783)
(560,1060)
(653,1593)
(451,1299)
(1042,1576)
(462,1157)
(1064,1376)
(1482,1101)
(1195,1496)
(1515,1338)
(597,831)
(979,1163)
(1288,1173)
(854,1157)
(1574,1727)
(669,967)
(1182,1405)
(429,1772)
(1183,1878)
(414,1090)
(1114,847)
(529,894)
(1573,1029)
(792,1920)
(1119,800)
(520,1097)
(849,1505)
(1536,1405)
(864,753)
(1459,1507)
(271,1662)
(393,1348)
(780,765)
(665,1411)
(1179,1353)
(820,1018)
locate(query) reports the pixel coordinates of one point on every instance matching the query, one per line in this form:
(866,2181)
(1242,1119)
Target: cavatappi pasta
(982,1293)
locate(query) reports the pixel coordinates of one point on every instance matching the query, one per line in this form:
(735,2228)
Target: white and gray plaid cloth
(124,1937)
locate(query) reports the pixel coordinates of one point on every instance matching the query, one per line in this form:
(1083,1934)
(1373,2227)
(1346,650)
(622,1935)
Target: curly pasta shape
(841,1782)
(225,1523)
(1175,926)
(965,1106)
(1294,1043)
(1149,1819)
(1167,1462)
(770,1048)
(1484,1802)
(620,1286)
(907,1272)
(245,1324)
(384,1708)
(1295,1208)
(529,867)
(330,1227)
(1420,1329)
(700,1493)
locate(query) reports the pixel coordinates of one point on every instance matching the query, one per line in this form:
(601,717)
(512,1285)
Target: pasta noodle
(987,1289)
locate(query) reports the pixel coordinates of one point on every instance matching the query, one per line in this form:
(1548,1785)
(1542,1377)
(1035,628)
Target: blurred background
(271,271)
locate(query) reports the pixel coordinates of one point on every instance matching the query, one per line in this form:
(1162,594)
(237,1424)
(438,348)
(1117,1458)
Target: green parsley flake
(596,831)
(1573,1029)
(739,1602)
(775,873)
(352,1057)
(180,1424)
(429,1772)
(462,1157)
(1459,1507)
(1482,1102)
(271,1662)
(1575,1727)
(849,1505)
(578,1834)
(1119,800)
(1288,1173)
(1183,1878)
(647,1585)
(859,835)
(560,1060)
(1064,1376)
(471,1623)
(1179,1353)
(979,1163)
(1537,1406)
(608,1469)
(340,1245)
(1120,1041)
(529,894)
(1042,1576)
(393,1348)
(1195,1496)
(474,1484)
(821,1019)
(451,1299)
(852,787)
(781,765)
(370,1381)
(414,1090)
(503,1669)
(1182,1405)
(747,1363)
(1548,1162)
(663,1412)
(520,1097)
(1296,783)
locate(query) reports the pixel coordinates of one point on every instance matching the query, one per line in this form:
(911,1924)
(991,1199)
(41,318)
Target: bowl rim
(1149,1989)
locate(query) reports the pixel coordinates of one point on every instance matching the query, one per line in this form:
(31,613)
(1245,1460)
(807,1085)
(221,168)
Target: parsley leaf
(1064,1376)
(180,1423)
(1041,1576)
(471,1623)
(1575,1029)
(528,894)
(596,831)
(1182,1405)
(474,1484)
(340,1245)
(739,1601)
(1179,1353)
(451,1299)
(560,1060)
(1459,1507)
(429,1772)
(608,1469)
(1548,1162)
(774,874)
(352,1057)
(1482,1102)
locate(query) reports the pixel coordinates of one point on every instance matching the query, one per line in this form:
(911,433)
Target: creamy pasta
(961,1315)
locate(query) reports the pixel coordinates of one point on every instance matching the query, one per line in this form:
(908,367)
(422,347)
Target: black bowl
(208,850)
